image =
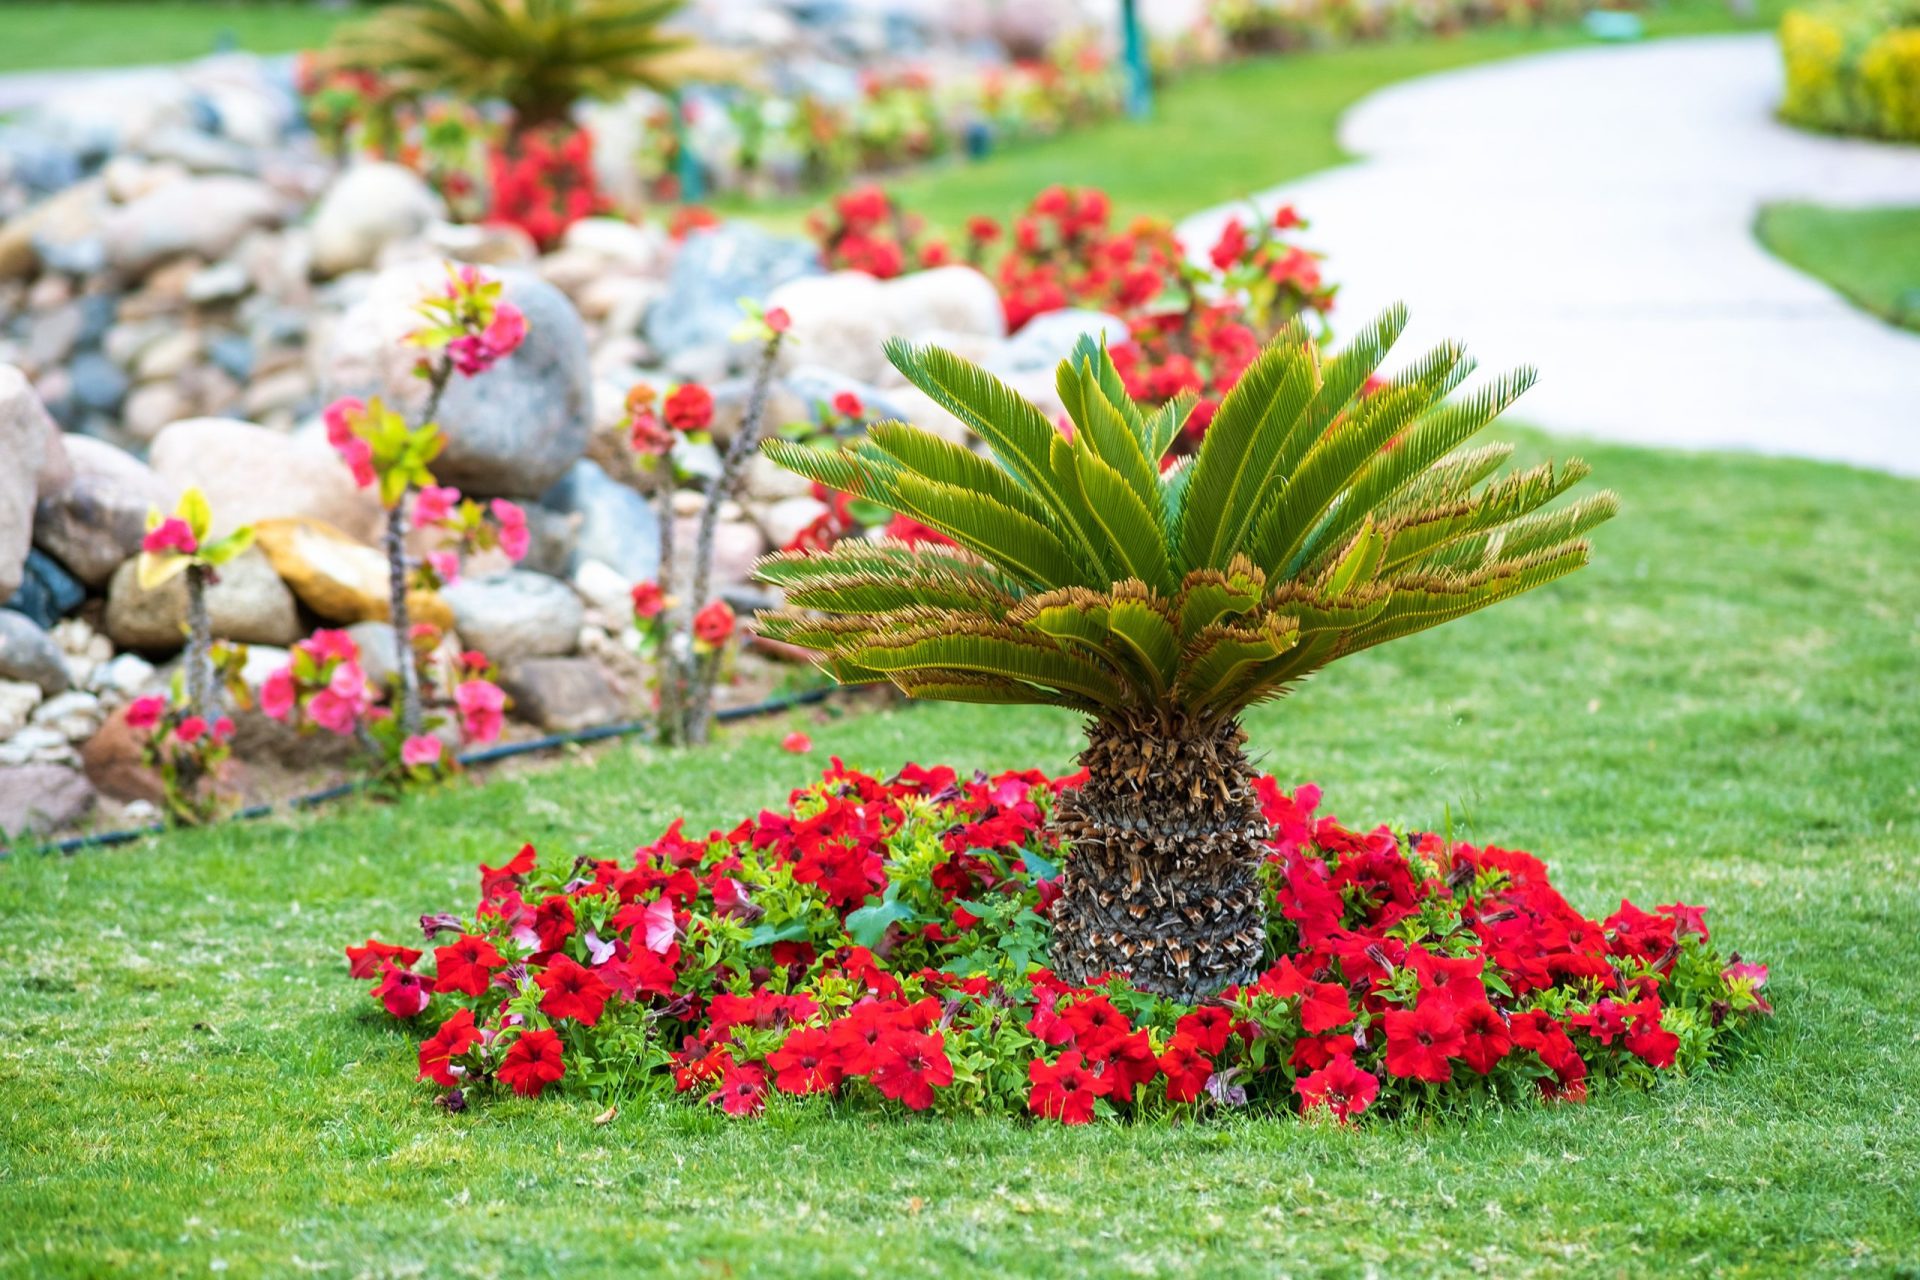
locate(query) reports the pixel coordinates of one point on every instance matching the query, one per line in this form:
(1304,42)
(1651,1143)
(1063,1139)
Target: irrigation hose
(485,755)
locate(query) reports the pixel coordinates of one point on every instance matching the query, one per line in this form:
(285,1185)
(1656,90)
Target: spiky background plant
(538,56)
(1318,518)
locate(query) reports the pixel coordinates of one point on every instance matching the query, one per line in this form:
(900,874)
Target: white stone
(18,698)
(370,206)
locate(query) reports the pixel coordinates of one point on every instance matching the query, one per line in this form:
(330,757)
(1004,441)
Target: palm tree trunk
(1164,843)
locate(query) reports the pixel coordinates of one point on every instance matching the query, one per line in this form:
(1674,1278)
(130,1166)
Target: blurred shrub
(1854,68)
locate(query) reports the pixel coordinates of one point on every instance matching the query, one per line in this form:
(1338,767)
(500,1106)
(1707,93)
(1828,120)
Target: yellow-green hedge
(1854,69)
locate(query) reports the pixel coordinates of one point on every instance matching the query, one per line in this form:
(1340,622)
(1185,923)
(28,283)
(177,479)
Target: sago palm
(1323,514)
(538,56)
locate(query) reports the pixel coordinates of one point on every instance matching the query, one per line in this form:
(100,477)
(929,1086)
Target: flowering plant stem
(699,714)
(199,644)
(399,568)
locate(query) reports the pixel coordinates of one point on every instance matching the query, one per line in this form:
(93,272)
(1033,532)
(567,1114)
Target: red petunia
(466,966)
(1064,1091)
(532,1063)
(1128,1063)
(1649,1041)
(553,922)
(455,1036)
(404,992)
(911,1066)
(743,1089)
(572,991)
(806,1063)
(1420,1040)
(364,962)
(1487,1039)
(1096,1024)
(1340,1087)
(1324,1006)
(1187,1069)
(1209,1028)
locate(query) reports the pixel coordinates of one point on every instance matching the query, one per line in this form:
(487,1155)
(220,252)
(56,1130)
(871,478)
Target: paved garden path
(1590,213)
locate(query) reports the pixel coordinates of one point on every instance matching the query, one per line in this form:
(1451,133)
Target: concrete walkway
(1590,213)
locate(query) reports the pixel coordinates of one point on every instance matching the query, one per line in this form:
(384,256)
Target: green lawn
(1872,256)
(1725,709)
(38,36)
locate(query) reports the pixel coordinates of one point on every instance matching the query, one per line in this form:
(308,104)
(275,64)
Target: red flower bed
(882,943)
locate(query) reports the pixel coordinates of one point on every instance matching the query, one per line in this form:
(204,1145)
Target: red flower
(1188,1070)
(1324,1006)
(1420,1040)
(572,991)
(1342,1088)
(553,922)
(648,600)
(532,1063)
(170,535)
(1097,1025)
(466,966)
(806,1063)
(1065,1091)
(191,730)
(743,1089)
(1209,1027)
(1648,1040)
(1129,1062)
(848,405)
(403,991)
(689,408)
(455,1036)
(714,623)
(1487,1038)
(910,1067)
(364,962)
(796,742)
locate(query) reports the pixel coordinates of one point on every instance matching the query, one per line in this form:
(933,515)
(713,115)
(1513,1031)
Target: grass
(1870,256)
(1723,709)
(36,36)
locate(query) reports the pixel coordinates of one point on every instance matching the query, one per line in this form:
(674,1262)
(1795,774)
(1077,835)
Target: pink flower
(778,320)
(514,538)
(434,503)
(222,728)
(276,694)
(445,566)
(171,534)
(191,730)
(421,749)
(144,713)
(480,703)
(339,418)
(358,455)
(508,330)
(648,600)
(332,712)
(796,742)
(714,623)
(327,644)
(469,355)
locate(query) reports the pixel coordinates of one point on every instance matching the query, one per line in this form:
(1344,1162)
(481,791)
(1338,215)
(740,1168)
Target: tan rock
(339,578)
(250,474)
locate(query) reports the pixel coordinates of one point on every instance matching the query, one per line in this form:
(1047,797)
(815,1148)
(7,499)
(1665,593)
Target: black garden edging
(486,755)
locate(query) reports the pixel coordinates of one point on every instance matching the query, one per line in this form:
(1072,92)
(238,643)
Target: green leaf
(224,550)
(197,513)
(868,924)
(767,934)
(1040,867)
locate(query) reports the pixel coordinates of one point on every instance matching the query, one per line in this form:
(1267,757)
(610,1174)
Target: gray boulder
(561,694)
(371,205)
(204,216)
(35,462)
(94,521)
(249,604)
(516,615)
(29,655)
(511,432)
(38,798)
(616,527)
(714,270)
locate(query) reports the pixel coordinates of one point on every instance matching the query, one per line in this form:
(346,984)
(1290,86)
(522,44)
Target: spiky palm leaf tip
(1321,515)
(539,56)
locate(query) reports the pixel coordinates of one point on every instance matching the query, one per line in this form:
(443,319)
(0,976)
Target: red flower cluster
(1065,253)
(543,182)
(884,941)
(865,230)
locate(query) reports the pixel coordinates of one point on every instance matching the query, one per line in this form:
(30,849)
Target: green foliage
(1853,67)
(1327,510)
(538,56)
(1870,255)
